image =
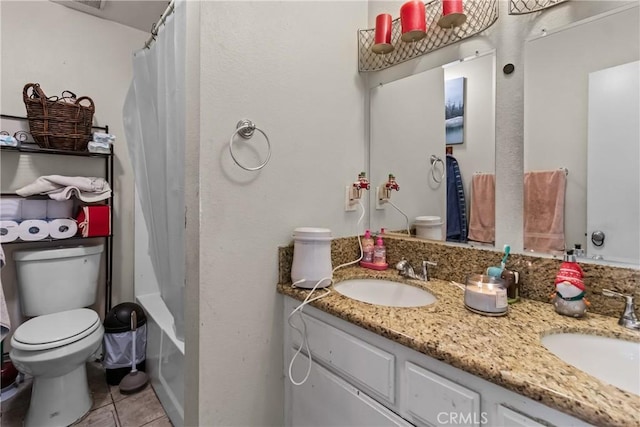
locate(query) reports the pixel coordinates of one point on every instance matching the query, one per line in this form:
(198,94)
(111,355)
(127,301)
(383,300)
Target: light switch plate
(379,206)
(350,205)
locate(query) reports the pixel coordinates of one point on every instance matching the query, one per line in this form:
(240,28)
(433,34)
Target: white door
(613,177)
(407,127)
(327,400)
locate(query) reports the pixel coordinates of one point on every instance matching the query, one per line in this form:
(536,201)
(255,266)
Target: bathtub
(165,357)
(165,353)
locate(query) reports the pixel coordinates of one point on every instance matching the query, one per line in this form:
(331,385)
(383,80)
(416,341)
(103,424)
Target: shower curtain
(154,123)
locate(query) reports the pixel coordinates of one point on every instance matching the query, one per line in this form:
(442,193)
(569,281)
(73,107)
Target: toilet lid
(55,330)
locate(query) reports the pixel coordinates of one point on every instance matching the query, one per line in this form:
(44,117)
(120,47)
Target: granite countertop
(503,350)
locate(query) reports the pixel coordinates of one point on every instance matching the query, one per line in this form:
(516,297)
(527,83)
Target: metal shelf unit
(29,147)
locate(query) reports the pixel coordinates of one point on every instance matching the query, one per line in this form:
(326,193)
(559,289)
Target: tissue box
(95,221)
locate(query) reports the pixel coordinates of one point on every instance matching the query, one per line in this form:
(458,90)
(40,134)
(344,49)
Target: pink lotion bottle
(367,247)
(380,253)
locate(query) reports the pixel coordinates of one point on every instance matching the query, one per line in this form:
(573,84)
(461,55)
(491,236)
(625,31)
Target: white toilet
(54,345)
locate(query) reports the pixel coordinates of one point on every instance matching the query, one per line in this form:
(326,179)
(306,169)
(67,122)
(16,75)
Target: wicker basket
(60,123)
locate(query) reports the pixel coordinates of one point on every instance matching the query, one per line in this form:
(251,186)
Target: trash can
(118,340)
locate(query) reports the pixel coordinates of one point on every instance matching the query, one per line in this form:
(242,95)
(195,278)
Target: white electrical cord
(308,300)
(403,214)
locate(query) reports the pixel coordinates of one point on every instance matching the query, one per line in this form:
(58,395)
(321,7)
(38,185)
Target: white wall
(291,68)
(62,49)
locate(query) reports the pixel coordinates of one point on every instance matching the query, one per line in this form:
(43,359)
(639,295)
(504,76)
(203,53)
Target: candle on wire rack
(413,21)
(382,41)
(452,14)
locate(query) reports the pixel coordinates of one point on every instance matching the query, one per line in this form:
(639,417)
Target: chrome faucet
(405,269)
(628,319)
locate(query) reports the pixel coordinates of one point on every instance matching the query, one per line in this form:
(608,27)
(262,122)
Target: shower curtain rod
(154,29)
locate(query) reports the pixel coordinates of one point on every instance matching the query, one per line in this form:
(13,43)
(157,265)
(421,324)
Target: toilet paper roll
(8,231)
(59,209)
(33,229)
(62,228)
(34,209)
(11,208)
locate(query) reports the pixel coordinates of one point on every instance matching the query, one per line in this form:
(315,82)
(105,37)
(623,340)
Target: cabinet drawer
(369,367)
(508,418)
(434,400)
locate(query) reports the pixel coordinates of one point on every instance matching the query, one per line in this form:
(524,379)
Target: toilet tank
(58,279)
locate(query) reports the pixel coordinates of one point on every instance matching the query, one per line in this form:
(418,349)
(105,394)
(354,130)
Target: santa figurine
(569,297)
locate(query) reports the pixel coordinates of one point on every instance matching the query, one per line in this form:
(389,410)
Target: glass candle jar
(486,295)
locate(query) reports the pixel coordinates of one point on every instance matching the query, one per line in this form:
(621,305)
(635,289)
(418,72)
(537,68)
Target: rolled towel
(34,209)
(59,209)
(11,208)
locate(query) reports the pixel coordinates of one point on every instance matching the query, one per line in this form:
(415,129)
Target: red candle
(451,6)
(383,28)
(412,18)
(452,14)
(383,34)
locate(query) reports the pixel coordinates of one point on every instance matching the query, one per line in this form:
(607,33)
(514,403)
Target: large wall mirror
(581,115)
(408,140)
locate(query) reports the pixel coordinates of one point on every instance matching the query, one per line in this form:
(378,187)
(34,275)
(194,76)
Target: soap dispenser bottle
(367,247)
(569,297)
(380,253)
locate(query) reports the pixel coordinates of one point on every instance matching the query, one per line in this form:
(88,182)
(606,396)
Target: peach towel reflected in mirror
(482,208)
(544,193)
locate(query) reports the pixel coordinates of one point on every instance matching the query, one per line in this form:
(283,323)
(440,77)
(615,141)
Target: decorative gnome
(569,299)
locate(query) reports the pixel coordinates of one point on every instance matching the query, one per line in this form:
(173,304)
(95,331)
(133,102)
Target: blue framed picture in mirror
(454,110)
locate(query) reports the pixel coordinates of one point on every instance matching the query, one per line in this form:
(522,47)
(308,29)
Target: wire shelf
(481,14)
(521,7)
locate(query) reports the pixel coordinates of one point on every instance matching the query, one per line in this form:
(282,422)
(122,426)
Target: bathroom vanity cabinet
(361,378)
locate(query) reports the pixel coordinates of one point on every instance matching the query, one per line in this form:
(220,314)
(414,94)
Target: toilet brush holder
(135,380)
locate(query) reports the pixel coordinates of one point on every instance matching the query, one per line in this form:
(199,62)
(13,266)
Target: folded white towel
(5,321)
(58,187)
(99,147)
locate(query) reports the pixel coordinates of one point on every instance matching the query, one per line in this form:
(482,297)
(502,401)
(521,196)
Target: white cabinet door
(326,400)
(508,418)
(364,365)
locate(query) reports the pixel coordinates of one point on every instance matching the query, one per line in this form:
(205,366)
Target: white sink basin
(384,292)
(613,361)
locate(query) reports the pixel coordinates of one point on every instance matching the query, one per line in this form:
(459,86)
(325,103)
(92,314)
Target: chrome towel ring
(434,160)
(245,129)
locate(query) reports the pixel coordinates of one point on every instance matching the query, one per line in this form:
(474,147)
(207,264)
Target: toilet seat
(55,330)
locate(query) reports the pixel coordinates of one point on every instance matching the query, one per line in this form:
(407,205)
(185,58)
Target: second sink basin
(384,292)
(613,361)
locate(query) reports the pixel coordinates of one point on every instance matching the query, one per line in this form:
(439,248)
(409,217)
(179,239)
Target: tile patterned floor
(110,407)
